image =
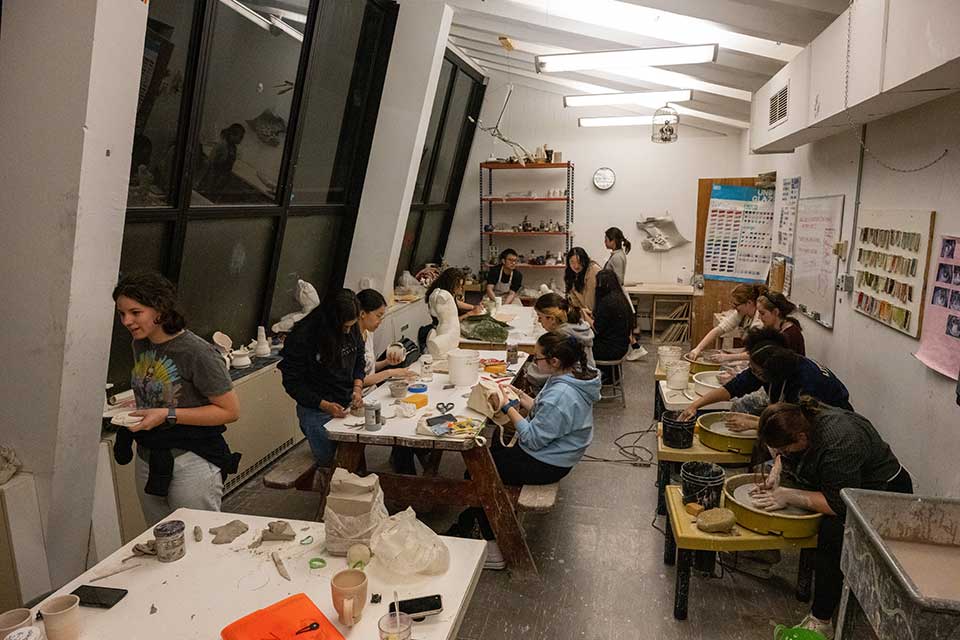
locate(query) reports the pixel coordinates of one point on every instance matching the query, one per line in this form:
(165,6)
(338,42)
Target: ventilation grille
(778,106)
(242,477)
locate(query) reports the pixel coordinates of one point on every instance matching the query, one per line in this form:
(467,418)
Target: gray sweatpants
(196,484)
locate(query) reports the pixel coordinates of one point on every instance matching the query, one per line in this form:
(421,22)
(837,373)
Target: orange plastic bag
(281,621)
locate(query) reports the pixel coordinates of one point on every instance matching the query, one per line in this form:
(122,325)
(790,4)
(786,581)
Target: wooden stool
(616,380)
(683,539)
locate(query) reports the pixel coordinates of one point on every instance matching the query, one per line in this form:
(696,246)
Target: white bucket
(464,367)
(669,354)
(678,374)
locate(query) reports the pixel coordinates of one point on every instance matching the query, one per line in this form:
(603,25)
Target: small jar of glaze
(170,543)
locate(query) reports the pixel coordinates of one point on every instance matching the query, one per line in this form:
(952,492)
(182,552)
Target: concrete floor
(599,555)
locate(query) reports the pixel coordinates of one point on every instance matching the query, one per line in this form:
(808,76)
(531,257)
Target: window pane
(456,117)
(245,113)
(145,246)
(341,68)
(165,51)
(428,248)
(309,251)
(409,239)
(223,276)
(430,142)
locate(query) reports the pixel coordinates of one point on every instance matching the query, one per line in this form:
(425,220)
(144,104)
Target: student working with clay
(555,314)
(504,281)
(744,316)
(822,450)
(184,400)
(323,368)
(781,372)
(553,436)
(373,307)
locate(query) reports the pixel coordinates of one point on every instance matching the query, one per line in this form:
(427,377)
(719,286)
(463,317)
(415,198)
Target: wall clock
(603,178)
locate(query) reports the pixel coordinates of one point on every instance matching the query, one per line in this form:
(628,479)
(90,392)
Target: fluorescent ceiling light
(248,13)
(286,28)
(626,58)
(616,121)
(642,98)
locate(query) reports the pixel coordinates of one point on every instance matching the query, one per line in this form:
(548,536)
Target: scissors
(445,407)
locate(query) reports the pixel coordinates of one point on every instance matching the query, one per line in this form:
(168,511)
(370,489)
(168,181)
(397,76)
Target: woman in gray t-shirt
(184,400)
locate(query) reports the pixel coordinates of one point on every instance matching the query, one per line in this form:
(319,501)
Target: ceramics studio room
(480,319)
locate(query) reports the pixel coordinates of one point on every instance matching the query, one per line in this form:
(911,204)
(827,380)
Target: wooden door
(716,293)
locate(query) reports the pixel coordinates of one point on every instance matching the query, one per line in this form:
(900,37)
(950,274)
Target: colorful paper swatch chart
(738,235)
(889,266)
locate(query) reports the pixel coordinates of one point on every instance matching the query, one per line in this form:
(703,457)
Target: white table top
(400,427)
(214,585)
(524,328)
(677,400)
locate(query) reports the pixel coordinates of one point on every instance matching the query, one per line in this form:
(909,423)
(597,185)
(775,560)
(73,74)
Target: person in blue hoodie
(552,436)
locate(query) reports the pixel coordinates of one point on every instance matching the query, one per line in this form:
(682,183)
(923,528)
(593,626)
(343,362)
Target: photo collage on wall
(946,289)
(940,342)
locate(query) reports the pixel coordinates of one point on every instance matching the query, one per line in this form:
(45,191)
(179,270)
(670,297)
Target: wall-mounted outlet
(845,283)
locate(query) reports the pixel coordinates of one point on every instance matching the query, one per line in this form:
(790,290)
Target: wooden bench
(296,470)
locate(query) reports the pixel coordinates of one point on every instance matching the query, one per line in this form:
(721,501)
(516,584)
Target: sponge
(419,400)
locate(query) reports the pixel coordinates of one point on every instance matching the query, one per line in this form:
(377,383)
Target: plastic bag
(407,285)
(344,531)
(485,328)
(309,300)
(407,546)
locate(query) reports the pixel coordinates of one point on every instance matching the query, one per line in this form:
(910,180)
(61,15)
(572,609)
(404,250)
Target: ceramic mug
(61,617)
(13,620)
(349,591)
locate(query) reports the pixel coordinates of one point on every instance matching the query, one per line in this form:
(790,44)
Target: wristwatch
(506,408)
(172,416)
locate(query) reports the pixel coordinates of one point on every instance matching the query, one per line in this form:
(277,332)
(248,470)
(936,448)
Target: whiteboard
(819,221)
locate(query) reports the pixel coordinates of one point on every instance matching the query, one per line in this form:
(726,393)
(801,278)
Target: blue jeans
(312,423)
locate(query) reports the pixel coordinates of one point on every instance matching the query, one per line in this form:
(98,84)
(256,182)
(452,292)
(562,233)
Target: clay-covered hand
(477,310)
(742,422)
(772,481)
(402,373)
(150,418)
(772,500)
(688,413)
(694,354)
(394,356)
(357,399)
(334,409)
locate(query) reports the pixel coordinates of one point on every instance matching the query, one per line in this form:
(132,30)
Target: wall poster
(738,236)
(940,340)
(784,225)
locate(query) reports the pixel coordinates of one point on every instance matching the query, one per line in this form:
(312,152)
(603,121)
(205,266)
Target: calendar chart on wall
(739,234)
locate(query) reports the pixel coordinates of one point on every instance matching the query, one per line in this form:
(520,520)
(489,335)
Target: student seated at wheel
(613,321)
(553,436)
(323,368)
(824,449)
(743,317)
(373,306)
(781,372)
(555,314)
(776,312)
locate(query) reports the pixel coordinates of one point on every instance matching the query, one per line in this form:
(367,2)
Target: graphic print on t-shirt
(155,381)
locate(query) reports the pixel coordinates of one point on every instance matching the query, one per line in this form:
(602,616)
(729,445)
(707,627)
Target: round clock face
(604,178)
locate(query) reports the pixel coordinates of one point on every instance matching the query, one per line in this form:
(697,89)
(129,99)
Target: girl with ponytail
(554,429)
(744,316)
(825,449)
(775,312)
(619,248)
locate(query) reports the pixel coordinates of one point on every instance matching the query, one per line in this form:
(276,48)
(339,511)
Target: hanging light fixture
(652,99)
(666,122)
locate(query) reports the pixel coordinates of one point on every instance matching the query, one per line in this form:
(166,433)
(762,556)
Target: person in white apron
(504,281)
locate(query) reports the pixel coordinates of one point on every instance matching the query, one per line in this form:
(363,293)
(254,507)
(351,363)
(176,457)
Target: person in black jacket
(613,321)
(323,368)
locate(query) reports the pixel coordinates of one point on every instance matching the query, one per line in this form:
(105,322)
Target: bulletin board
(817,231)
(890,261)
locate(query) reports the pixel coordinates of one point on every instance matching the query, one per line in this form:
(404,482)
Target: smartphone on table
(419,608)
(100,597)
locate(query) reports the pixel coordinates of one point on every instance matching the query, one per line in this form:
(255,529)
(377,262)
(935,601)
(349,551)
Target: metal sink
(877,585)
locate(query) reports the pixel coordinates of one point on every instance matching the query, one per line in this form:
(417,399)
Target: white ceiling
(756,37)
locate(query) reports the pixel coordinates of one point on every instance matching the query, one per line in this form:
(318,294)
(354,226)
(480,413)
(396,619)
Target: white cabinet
(401,321)
(922,36)
(827,55)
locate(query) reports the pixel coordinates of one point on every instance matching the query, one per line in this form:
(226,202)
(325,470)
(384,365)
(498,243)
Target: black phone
(444,419)
(419,608)
(100,597)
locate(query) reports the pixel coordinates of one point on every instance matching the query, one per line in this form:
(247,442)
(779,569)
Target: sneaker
(823,627)
(635,353)
(494,559)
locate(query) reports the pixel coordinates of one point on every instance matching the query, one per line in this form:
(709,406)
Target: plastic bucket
(677,434)
(702,482)
(668,354)
(678,374)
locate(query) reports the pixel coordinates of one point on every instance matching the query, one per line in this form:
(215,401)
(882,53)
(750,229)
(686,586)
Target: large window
(253,131)
(443,161)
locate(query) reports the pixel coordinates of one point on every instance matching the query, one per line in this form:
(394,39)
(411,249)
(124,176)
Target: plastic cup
(393,629)
(14,619)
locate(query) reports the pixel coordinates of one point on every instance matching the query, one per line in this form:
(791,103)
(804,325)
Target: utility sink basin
(901,566)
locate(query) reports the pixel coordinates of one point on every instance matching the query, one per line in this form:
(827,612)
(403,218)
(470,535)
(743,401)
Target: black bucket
(677,434)
(702,482)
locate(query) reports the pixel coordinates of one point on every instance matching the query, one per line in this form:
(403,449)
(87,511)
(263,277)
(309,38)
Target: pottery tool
(113,573)
(313,626)
(278,562)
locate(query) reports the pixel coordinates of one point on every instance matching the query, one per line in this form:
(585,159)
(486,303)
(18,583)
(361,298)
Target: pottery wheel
(721,429)
(742,495)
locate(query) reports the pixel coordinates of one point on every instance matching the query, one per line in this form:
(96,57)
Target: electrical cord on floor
(633,454)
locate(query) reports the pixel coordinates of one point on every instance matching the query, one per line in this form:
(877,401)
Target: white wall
(652,179)
(912,407)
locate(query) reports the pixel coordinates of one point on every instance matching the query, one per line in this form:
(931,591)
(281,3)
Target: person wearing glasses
(504,280)
(821,450)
